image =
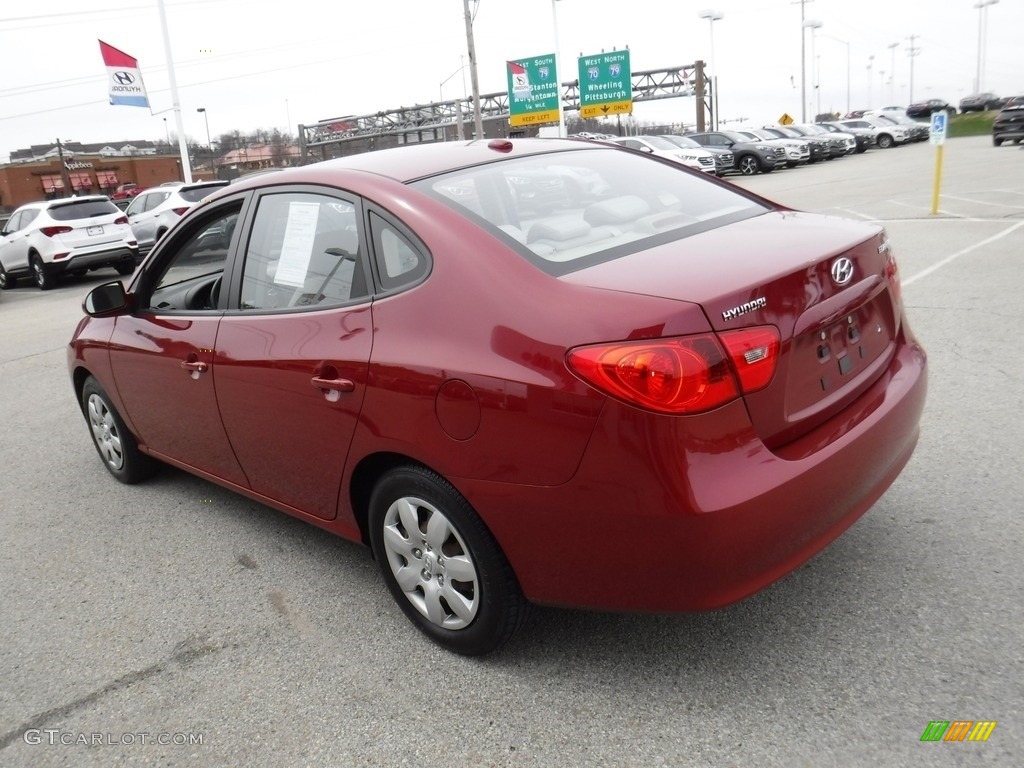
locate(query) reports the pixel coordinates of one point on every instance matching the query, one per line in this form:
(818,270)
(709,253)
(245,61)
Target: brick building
(36,173)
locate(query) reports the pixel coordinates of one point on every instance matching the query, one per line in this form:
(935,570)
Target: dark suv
(748,157)
(1009,123)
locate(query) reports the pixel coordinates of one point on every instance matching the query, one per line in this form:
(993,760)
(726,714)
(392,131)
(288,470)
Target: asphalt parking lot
(177,611)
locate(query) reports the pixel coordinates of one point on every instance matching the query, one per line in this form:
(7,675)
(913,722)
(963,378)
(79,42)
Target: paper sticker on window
(299,234)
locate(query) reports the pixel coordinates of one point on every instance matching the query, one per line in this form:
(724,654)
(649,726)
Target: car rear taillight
(892,274)
(121,220)
(59,256)
(51,231)
(180,211)
(683,375)
(754,353)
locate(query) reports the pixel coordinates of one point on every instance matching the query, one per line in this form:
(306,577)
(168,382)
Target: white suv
(885,134)
(697,159)
(155,210)
(74,235)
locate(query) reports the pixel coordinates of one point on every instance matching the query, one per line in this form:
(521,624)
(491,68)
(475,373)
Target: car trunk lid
(827,284)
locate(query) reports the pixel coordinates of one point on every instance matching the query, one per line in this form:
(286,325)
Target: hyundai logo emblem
(124,78)
(842,270)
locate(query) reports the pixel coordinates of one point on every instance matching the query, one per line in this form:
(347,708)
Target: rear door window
(303,251)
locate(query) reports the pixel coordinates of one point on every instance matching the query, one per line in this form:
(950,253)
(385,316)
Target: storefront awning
(106,179)
(80,181)
(52,183)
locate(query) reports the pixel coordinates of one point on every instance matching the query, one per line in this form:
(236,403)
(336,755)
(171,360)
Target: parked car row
(44,240)
(751,151)
(1009,123)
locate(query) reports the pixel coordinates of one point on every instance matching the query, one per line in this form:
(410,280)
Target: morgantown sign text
(533,96)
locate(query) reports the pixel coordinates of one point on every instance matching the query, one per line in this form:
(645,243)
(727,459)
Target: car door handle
(334,385)
(195,366)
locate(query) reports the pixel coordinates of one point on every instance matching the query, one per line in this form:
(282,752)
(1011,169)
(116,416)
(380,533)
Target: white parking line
(953,257)
(980,202)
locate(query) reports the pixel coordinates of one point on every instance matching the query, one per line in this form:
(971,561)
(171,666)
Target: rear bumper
(679,514)
(105,258)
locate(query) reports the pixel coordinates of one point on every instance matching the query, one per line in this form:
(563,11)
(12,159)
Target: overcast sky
(262,64)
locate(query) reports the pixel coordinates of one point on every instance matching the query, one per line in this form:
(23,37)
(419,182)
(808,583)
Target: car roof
(45,204)
(405,164)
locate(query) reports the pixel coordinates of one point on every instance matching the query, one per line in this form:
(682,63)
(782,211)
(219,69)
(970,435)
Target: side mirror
(107,299)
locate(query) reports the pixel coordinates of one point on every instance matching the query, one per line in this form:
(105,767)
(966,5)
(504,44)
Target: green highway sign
(606,84)
(533,93)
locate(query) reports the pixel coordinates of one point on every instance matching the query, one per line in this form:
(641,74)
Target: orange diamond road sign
(785,119)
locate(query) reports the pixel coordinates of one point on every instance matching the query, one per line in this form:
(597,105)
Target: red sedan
(528,371)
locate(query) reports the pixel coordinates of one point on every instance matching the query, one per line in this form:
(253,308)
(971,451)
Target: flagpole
(186,169)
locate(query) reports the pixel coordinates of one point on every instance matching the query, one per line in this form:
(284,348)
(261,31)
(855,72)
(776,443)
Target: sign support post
(937,136)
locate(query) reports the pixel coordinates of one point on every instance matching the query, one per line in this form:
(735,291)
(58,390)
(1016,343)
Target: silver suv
(155,210)
(74,235)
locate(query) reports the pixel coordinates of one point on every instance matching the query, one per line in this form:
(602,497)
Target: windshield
(566,210)
(683,141)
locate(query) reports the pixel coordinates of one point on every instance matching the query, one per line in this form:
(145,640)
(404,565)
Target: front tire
(885,141)
(114,443)
(6,281)
(749,165)
(997,142)
(442,565)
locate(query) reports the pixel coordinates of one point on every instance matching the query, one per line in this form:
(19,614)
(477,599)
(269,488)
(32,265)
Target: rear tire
(997,142)
(114,443)
(44,280)
(125,268)
(884,141)
(6,281)
(441,564)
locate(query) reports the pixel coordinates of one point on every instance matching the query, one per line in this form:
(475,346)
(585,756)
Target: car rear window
(195,194)
(564,211)
(82,209)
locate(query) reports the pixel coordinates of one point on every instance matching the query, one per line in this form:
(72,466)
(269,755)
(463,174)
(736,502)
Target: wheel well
(78,380)
(364,479)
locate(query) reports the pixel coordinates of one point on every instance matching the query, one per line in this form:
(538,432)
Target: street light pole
(814,25)
(892,70)
(871,59)
(209,144)
(982,6)
(458,104)
(847,44)
(712,17)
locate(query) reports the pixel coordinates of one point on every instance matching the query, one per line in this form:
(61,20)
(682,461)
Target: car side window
(155,199)
(137,205)
(303,252)
(14,223)
(399,261)
(190,279)
(27,217)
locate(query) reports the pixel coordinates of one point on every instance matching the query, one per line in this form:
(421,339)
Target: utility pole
(478,123)
(912,52)
(65,177)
